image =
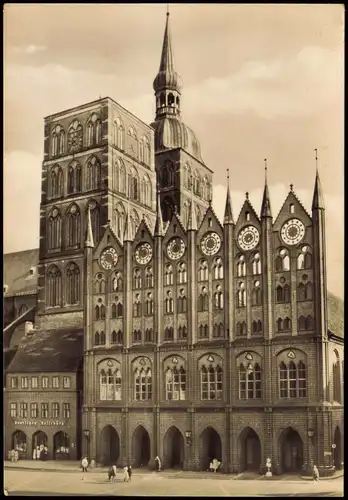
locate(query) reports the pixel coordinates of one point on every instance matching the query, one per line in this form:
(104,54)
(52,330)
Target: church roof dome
(171,132)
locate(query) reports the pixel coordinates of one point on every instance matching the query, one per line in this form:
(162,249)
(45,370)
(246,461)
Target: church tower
(178,158)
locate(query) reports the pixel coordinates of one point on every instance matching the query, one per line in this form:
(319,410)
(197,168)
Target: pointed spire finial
(128,225)
(316,159)
(291,187)
(228,217)
(247,195)
(266,200)
(318,198)
(89,242)
(167,9)
(192,216)
(159,229)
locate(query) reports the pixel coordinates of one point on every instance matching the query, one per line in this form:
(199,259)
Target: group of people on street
(13,455)
(214,465)
(127,471)
(40,452)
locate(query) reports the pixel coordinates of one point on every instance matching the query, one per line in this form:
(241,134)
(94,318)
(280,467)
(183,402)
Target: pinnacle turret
(89,241)
(159,230)
(128,227)
(318,198)
(228,217)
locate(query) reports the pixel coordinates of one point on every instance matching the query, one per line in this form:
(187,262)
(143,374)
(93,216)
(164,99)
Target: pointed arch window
(149,335)
(99,284)
(149,305)
(169,303)
(175,384)
(147,151)
(283,293)
(133,185)
(117,337)
(94,207)
(203,331)
(58,141)
(149,277)
(56,187)
(117,282)
(182,273)
(241,295)
(241,266)
(119,176)
(118,134)
(256,299)
(143,384)
(203,300)
(54,144)
(146,191)
(292,380)
(75,137)
(72,284)
(119,221)
(137,336)
(219,331)
(99,311)
(168,275)
(137,282)
(256,327)
(241,329)
(182,302)
(336,378)
(54,230)
(137,306)
(73,222)
(135,222)
(282,262)
(117,308)
(54,287)
(211,383)
(309,323)
(167,174)
(93,173)
(141,150)
(218,269)
(219,298)
(169,333)
(256,264)
(250,381)
(182,332)
(74,178)
(203,271)
(305,291)
(110,385)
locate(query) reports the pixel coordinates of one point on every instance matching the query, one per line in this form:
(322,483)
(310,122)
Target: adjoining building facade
(201,340)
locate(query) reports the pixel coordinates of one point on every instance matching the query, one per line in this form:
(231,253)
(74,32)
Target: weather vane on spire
(265,160)
(316,159)
(228,177)
(167,9)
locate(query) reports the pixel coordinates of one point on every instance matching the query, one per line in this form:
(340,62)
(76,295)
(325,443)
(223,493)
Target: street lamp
(188,435)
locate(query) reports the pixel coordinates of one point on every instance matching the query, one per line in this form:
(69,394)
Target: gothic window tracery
(117,337)
(93,173)
(256,299)
(169,333)
(117,282)
(182,302)
(292,379)
(241,329)
(54,230)
(169,303)
(211,382)
(72,284)
(218,269)
(182,273)
(75,137)
(118,134)
(182,332)
(175,383)
(283,293)
(137,306)
(203,271)
(282,262)
(241,266)
(56,186)
(133,185)
(219,330)
(149,304)
(203,300)
(203,331)
(146,191)
(256,264)
(73,226)
(256,327)
(137,336)
(93,131)
(58,141)
(135,221)
(110,384)
(54,287)
(168,275)
(305,291)
(250,380)
(241,295)
(149,335)
(99,311)
(143,384)
(219,298)
(137,282)
(149,278)
(117,308)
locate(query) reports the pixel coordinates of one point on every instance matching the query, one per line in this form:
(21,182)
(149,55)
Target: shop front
(43,440)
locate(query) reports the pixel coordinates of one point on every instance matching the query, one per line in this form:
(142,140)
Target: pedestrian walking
(111,474)
(315,473)
(84,465)
(125,474)
(12,455)
(130,472)
(158,464)
(16,456)
(114,468)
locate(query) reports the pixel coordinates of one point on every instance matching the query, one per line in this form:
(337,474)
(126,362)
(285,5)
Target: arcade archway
(291,450)
(173,449)
(141,447)
(61,446)
(19,443)
(210,447)
(250,450)
(337,451)
(110,446)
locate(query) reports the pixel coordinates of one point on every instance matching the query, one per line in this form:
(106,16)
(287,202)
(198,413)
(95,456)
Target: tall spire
(127,236)
(192,216)
(228,217)
(89,242)
(266,200)
(159,230)
(318,198)
(167,84)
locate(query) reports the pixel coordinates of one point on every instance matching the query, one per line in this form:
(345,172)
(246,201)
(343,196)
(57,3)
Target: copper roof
(17,275)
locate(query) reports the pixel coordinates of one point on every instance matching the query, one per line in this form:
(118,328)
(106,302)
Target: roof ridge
(297,199)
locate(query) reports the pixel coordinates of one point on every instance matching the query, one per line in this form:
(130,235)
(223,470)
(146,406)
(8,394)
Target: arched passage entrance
(210,447)
(337,451)
(250,450)
(109,446)
(291,450)
(19,443)
(40,441)
(61,446)
(173,449)
(141,447)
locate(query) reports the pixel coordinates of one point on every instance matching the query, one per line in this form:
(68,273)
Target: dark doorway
(291,451)
(173,449)
(61,446)
(337,451)
(141,447)
(211,447)
(19,443)
(110,446)
(250,450)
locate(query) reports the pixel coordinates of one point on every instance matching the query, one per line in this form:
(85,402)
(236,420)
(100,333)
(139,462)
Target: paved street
(39,483)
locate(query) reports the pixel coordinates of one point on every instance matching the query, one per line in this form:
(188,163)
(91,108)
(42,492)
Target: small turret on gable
(247,215)
(175,228)
(143,234)
(109,239)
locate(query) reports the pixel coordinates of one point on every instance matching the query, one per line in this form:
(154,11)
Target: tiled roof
(49,351)
(335,308)
(17,275)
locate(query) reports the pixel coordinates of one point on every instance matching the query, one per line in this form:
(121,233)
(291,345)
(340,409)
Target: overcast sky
(260,81)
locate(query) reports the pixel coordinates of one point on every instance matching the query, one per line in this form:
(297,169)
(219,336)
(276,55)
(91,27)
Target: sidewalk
(75,466)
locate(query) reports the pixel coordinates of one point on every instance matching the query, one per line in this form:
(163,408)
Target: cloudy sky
(260,81)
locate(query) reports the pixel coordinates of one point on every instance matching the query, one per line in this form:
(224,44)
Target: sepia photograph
(173,228)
